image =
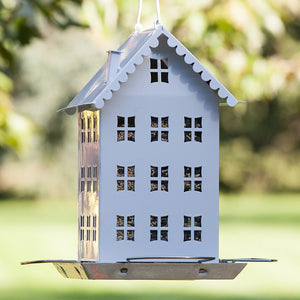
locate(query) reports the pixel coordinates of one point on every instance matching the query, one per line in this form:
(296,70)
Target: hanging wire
(138,25)
(157,12)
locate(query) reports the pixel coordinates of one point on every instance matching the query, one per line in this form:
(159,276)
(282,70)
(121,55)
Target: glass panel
(82,124)
(94,221)
(130,185)
(165,122)
(131,171)
(187,122)
(198,186)
(164,221)
(88,221)
(88,186)
(154,171)
(164,171)
(153,235)
(89,137)
(154,136)
(197,221)
(187,172)
(130,235)
(120,221)
(198,122)
(82,173)
(88,235)
(89,123)
(164,136)
(121,121)
(154,122)
(95,122)
(187,136)
(153,221)
(164,63)
(187,235)
(82,186)
(187,186)
(94,235)
(197,235)
(131,135)
(120,185)
(198,136)
(164,77)
(120,135)
(95,175)
(198,172)
(131,121)
(89,172)
(154,185)
(164,235)
(120,171)
(187,221)
(154,77)
(164,186)
(120,235)
(95,186)
(153,63)
(130,221)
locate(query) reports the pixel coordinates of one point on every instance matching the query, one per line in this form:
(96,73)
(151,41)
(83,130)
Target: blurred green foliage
(251,46)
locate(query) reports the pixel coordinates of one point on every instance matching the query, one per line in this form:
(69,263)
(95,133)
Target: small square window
(89,172)
(154,77)
(130,235)
(197,235)
(198,186)
(153,221)
(131,121)
(120,185)
(187,172)
(164,185)
(120,221)
(165,122)
(198,122)
(198,172)
(187,136)
(120,135)
(165,77)
(153,63)
(154,136)
(187,186)
(187,122)
(164,235)
(131,171)
(88,186)
(130,221)
(187,235)
(153,235)
(164,171)
(130,185)
(197,221)
(154,171)
(164,221)
(198,136)
(131,135)
(164,136)
(154,185)
(187,221)
(120,235)
(164,63)
(154,122)
(121,121)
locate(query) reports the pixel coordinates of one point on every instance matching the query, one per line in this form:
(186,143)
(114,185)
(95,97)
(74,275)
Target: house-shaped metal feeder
(148,175)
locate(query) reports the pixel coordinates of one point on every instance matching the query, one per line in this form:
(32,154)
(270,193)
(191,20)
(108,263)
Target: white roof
(138,45)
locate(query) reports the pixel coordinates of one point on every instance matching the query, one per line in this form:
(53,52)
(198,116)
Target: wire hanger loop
(138,26)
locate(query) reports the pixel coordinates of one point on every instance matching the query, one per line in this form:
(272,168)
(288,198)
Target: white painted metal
(186,95)
(113,65)
(137,46)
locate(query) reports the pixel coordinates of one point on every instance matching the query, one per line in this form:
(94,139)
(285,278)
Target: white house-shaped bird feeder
(148,170)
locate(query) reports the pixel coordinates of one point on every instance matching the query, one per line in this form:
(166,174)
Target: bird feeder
(148,167)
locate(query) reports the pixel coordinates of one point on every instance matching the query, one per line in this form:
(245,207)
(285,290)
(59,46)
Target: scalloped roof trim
(138,45)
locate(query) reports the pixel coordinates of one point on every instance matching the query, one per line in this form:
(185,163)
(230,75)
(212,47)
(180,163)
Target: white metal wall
(186,95)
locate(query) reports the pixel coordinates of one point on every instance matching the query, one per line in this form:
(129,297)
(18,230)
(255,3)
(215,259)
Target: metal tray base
(146,271)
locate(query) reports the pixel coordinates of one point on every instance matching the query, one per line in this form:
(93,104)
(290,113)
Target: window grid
(125,228)
(89,127)
(192,227)
(89,179)
(125,128)
(192,179)
(159,70)
(159,228)
(126,178)
(159,129)
(159,178)
(192,129)
(86,228)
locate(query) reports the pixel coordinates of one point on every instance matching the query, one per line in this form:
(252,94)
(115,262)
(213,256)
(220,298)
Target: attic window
(159,70)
